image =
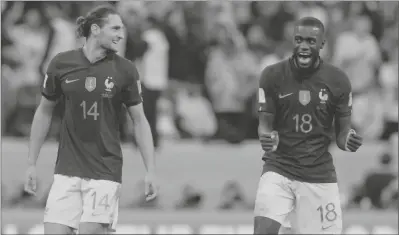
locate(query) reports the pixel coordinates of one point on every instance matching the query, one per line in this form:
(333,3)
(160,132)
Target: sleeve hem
(343,114)
(133,103)
(51,98)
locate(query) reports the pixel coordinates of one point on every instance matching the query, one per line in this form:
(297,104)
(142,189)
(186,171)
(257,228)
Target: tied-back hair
(95,16)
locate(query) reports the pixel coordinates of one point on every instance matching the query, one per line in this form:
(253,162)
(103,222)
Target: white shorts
(73,200)
(311,208)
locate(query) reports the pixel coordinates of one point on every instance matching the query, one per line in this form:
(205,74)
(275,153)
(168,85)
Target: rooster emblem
(109,84)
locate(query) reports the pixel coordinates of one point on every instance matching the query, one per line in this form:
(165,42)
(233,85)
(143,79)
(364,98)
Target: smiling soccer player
(299,99)
(94,83)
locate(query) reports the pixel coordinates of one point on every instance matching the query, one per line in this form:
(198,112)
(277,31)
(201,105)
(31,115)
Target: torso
(305,109)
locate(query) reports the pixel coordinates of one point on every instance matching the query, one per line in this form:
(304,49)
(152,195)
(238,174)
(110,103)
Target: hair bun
(80,20)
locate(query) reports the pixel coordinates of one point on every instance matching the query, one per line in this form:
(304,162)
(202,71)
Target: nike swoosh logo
(69,81)
(283,96)
(324,228)
(96,214)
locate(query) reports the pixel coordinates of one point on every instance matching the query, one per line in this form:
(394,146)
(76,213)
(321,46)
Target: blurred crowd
(200,62)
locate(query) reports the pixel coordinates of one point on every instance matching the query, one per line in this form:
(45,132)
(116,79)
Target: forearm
(40,127)
(342,128)
(145,143)
(266,121)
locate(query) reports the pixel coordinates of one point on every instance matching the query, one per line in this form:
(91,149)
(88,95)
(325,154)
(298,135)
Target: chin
(112,48)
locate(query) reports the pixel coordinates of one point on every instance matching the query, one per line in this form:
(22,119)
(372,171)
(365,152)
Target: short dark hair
(95,16)
(310,21)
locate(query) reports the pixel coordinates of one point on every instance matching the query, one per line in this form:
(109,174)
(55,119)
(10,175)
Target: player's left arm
(132,98)
(143,135)
(346,137)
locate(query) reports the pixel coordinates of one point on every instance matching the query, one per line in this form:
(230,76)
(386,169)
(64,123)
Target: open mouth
(304,58)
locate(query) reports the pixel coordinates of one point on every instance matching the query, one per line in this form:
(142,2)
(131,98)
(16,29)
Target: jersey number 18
(303,123)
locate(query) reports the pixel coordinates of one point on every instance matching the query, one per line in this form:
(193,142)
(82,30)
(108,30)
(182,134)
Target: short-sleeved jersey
(93,95)
(304,108)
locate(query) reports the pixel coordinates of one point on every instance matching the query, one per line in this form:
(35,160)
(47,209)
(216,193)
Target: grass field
(205,166)
(170,222)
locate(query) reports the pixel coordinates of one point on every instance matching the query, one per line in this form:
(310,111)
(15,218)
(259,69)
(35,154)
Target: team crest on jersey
(109,85)
(323,96)
(304,97)
(90,84)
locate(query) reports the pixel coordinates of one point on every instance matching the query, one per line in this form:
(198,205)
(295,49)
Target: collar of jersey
(107,56)
(304,72)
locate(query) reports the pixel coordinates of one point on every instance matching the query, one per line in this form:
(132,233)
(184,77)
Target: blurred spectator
(358,54)
(375,183)
(32,36)
(388,78)
(232,197)
(191,198)
(194,114)
(153,69)
(63,35)
(272,17)
(390,195)
(231,79)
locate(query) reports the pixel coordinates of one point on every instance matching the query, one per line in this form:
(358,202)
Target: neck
(93,51)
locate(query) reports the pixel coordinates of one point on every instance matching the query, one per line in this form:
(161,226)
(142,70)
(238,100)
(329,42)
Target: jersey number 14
(92,111)
(303,123)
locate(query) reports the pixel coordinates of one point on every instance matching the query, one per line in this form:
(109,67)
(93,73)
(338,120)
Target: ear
(95,29)
(322,43)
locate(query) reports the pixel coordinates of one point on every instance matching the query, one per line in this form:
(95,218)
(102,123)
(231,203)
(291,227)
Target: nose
(304,46)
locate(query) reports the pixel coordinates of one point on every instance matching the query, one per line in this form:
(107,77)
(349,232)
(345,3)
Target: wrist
(31,163)
(342,139)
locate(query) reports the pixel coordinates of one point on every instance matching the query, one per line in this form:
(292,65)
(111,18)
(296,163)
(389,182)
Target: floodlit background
(199,64)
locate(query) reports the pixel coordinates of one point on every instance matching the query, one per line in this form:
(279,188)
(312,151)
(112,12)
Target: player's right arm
(267,111)
(41,124)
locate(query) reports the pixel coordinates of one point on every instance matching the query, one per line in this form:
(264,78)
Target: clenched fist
(353,141)
(269,141)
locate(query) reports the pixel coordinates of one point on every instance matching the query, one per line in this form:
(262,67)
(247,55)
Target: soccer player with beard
(300,98)
(94,83)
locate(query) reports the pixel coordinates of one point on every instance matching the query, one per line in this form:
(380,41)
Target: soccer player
(95,83)
(300,98)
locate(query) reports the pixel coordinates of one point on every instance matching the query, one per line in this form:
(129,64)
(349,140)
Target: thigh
(100,202)
(274,198)
(64,202)
(318,208)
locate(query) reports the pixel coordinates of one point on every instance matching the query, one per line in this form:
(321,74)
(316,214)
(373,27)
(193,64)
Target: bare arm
(143,135)
(266,121)
(40,127)
(342,128)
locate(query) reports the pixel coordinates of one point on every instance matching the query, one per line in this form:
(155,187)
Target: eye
(312,41)
(298,40)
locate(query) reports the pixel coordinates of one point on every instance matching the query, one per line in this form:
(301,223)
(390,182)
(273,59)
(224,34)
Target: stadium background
(199,63)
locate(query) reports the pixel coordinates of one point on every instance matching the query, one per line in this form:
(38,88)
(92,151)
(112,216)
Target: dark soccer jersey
(304,108)
(93,94)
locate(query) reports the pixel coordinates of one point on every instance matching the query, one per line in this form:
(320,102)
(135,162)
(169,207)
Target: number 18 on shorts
(308,208)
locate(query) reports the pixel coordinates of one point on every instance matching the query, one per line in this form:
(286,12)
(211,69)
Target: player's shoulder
(124,63)
(127,67)
(336,75)
(272,72)
(65,55)
(62,60)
